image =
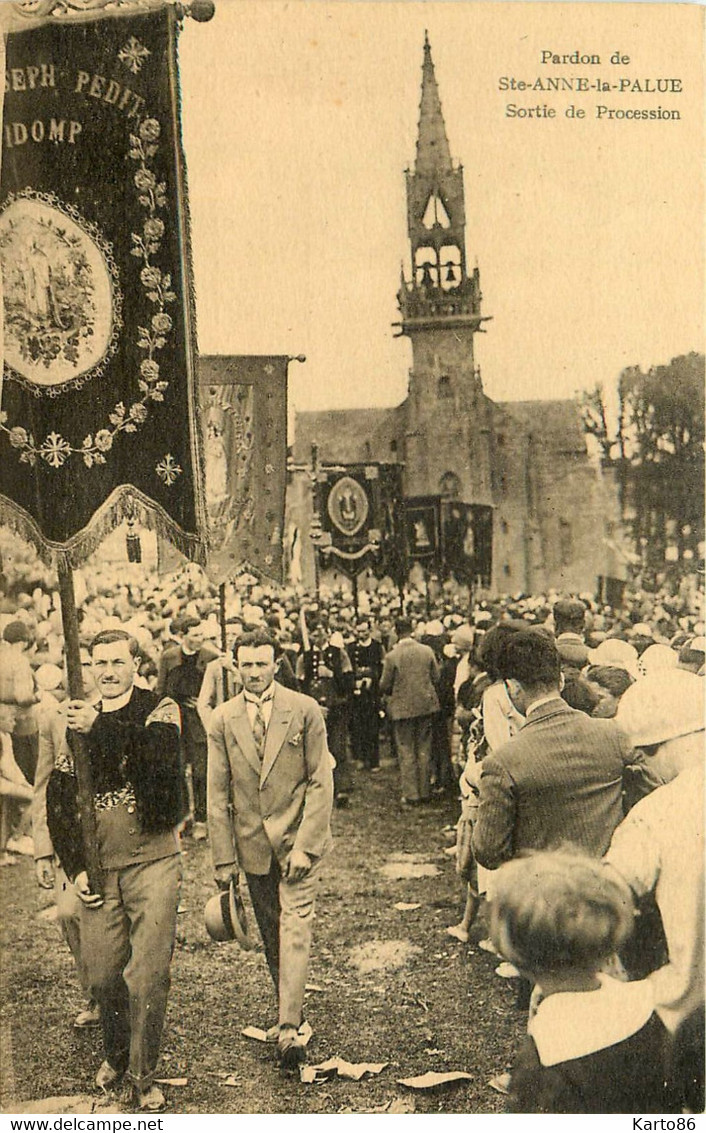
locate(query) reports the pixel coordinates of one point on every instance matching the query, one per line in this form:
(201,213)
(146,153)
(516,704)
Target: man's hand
(189,702)
(92,900)
(44,869)
(81,716)
(224,874)
(297,867)
(324,671)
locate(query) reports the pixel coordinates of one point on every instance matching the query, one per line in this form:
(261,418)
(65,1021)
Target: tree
(658,450)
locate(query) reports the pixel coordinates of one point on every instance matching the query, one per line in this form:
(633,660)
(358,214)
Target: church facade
(555,512)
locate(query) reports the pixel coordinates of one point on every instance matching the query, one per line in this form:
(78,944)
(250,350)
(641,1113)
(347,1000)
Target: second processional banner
(99,406)
(244,412)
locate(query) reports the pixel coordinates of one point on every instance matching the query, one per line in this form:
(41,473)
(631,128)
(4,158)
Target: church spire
(433,153)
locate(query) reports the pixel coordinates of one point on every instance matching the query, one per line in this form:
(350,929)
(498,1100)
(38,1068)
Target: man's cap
(641,629)
(225,919)
(569,610)
(662,706)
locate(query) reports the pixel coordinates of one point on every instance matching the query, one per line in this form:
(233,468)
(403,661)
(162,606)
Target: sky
(300,118)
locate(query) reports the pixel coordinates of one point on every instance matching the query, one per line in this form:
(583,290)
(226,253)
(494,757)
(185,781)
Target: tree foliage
(657,446)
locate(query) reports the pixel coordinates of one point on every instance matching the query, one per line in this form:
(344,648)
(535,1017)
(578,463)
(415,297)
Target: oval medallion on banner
(348,505)
(59,295)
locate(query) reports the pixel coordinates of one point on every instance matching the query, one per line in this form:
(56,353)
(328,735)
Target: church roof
(557,423)
(433,153)
(349,436)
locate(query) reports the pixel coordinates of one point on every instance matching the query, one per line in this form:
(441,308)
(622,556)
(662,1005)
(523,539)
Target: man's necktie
(259,730)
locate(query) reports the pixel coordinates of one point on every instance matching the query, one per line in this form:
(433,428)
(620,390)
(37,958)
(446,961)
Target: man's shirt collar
(115,703)
(268,694)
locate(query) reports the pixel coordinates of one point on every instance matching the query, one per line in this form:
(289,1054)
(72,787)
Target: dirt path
(393,986)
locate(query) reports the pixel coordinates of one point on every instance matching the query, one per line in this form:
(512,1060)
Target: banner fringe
(125,502)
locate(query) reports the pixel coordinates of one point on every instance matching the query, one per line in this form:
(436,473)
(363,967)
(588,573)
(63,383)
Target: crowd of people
(573,731)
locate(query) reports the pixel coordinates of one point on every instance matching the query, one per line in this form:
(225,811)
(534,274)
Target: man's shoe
(290,1048)
(107,1076)
(89,1017)
(199,832)
(342,801)
(152,1100)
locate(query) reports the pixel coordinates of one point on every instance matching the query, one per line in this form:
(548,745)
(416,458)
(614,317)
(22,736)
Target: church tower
(448,434)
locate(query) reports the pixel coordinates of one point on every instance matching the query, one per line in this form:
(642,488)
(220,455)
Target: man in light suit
(560,779)
(270,796)
(410,678)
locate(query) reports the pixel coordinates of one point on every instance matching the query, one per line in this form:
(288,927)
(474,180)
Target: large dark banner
(99,403)
(244,415)
(360,510)
(467,542)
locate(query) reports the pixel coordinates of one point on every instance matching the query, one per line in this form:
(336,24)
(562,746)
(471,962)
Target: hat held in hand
(225,919)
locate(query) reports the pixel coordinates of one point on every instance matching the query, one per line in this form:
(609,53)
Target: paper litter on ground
(407,906)
(354,1071)
(431,1079)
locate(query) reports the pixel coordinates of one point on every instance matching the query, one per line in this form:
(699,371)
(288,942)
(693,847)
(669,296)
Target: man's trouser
(196,757)
(365,729)
(126,946)
(284,912)
(413,741)
(68,914)
(337,737)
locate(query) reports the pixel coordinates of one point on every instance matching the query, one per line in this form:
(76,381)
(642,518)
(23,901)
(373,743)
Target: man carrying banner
(127,936)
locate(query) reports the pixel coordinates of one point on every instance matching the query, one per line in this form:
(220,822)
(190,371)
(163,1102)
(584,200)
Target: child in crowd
(594,1043)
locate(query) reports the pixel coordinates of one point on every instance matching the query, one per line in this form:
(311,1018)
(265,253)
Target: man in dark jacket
(181,674)
(366,656)
(560,779)
(127,935)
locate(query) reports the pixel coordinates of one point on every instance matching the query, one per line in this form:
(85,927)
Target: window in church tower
(443,388)
(504,526)
(435,213)
(450,266)
(566,548)
(426,270)
(449,486)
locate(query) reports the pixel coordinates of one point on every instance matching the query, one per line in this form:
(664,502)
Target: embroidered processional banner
(99,400)
(244,415)
(360,511)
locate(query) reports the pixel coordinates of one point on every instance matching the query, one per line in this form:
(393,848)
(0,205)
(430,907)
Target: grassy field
(392,986)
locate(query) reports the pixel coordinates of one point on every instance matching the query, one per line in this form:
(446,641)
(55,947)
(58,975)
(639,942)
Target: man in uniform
(270,795)
(366,656)
(127,934)
(181,674)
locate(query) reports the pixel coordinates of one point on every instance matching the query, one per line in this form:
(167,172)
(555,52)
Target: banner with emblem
(99,414)
(244,418)
(466,542)
(422,530)
(358,505)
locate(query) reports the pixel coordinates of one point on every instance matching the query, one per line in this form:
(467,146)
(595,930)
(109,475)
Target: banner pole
(79,744)
(355,594)
(224,638)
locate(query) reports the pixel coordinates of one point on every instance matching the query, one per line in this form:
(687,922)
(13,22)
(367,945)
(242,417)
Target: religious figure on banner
(58,293)
(348,505)
(421,535)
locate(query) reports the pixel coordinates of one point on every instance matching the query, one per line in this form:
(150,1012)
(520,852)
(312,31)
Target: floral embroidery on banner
(134,54)
(168,470)
(55,450)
